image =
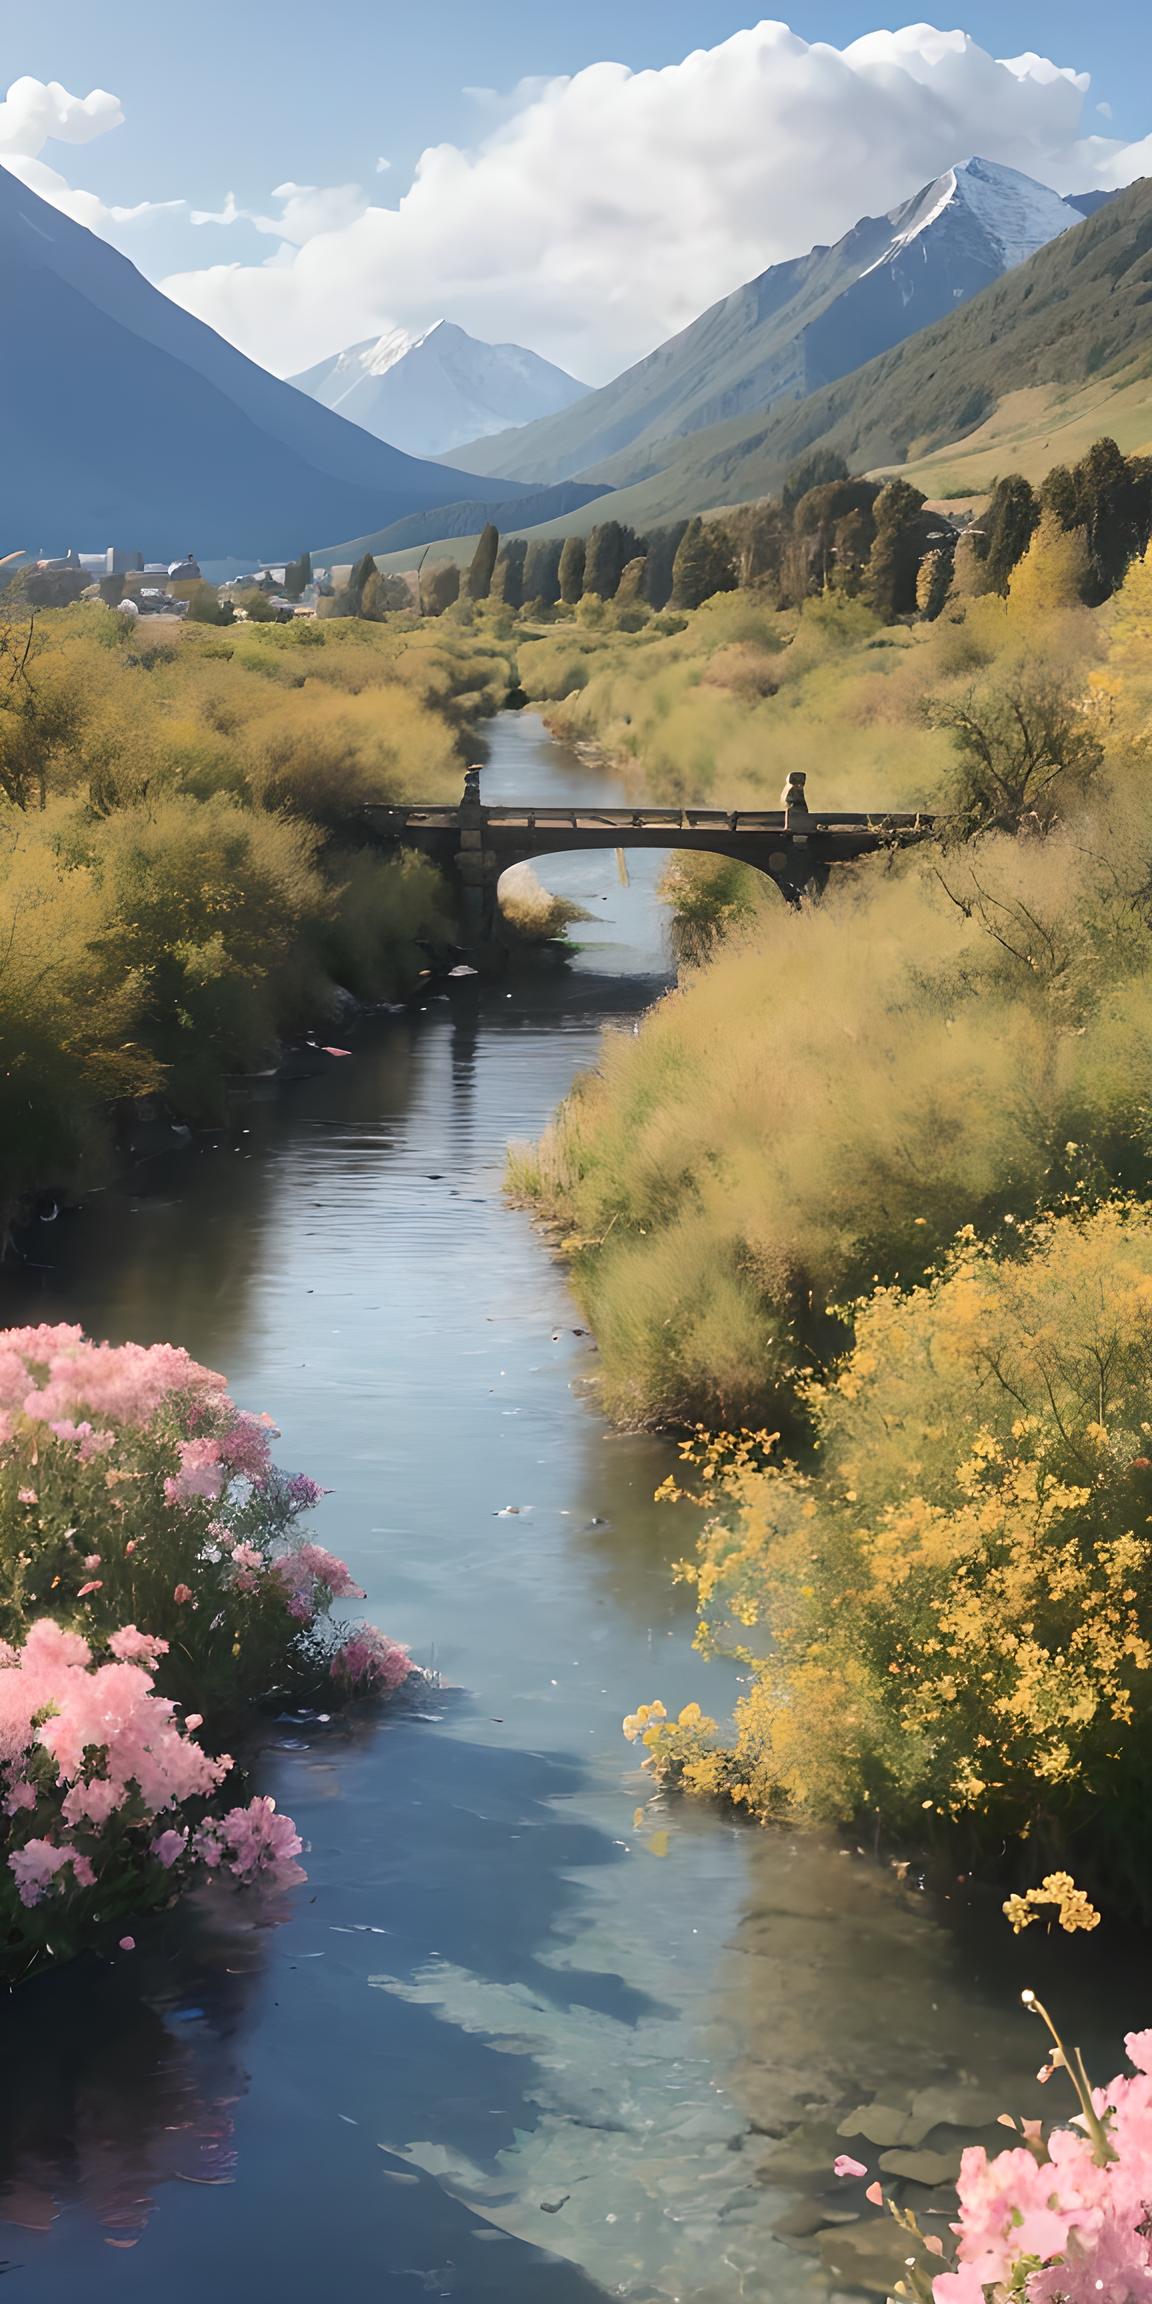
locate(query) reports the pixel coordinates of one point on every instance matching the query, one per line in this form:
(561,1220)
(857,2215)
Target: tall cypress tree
(610,547)
(359,582)
(703,565)
(542,571)
(479,582)
(1009,525)
(663,545)
(508,575)
(572,561)
(894,561)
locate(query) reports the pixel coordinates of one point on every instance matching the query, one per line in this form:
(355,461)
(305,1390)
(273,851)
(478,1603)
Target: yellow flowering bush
(949,1612)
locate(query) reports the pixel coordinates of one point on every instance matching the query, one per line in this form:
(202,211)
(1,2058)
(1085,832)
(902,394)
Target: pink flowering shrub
(366,1663)
(1062,2219)
(134,1492)
(110,1804)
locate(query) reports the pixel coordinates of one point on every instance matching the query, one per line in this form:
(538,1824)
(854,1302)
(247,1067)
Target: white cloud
(603,211)
(594,215)
(37,112)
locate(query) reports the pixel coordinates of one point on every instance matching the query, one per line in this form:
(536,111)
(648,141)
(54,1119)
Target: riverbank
(509,2038)
(183,884)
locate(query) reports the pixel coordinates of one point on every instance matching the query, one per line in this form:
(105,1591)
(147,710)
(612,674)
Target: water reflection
(510,2042)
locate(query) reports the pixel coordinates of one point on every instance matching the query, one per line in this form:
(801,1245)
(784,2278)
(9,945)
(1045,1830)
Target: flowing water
(529,2032)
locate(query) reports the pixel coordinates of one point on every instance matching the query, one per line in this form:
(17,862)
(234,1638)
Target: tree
(39,722)
(932,582)
(572,560)
(440,588)
(837,521)
(703,565)
(479,582)
(358,583)
(385,595)
(901,535)
(970,565)
(1009,525)
(298,576)
(542,571)
(1054,574)
(508,576)
(1024,748)
(206,607)
(631,586)
(663,545)
(823,464)
(1109,496)
(610,547)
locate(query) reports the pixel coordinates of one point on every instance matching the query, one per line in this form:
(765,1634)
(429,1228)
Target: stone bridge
(795,846)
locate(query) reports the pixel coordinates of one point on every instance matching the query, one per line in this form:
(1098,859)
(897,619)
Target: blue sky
(591,225)
(238,95)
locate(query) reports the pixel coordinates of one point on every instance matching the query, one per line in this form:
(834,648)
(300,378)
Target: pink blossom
(28,1496)
(96,1584)
(127,1943)
(368,1663)
(168,1846)
(181,1593)
(259,1844)
(312,1577)
(244,1446)
(83,1870)
(92,1803)
(22,1795)
(92,1563)
(133,1647)
(247,1556)
(843,2166)
(35,1867)
(201,1473)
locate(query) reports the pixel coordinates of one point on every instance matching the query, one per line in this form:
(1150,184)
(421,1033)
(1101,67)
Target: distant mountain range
(1070,327)
(127,421)
(798,326)
(426,393)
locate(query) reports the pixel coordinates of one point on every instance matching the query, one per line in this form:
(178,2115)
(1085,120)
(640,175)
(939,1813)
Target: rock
(923,2167)
(884,2124)
(809,2216)
(958,2106)
(869,2255)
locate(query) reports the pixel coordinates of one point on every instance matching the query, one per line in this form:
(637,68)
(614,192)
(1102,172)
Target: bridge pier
(794,846)
(477,868)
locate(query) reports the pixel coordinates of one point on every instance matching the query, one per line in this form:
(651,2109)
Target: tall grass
(182,875)
(953,1038)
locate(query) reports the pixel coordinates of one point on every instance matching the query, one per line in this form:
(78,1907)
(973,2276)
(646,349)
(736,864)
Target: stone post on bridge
(476,866)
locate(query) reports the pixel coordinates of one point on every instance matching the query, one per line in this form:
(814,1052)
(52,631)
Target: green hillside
(1080,312)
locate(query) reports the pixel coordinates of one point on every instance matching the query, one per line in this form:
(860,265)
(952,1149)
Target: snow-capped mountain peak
(1013,213)
(438,386)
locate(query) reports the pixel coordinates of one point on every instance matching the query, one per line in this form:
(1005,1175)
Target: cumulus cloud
(38,112)
(596,214)
(601,212)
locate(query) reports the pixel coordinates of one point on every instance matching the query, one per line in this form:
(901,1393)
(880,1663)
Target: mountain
(129,422)
(427,393)
(800,325)
(539,508)
(1073,323)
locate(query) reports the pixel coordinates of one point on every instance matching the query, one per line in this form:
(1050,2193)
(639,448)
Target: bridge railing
(417,817)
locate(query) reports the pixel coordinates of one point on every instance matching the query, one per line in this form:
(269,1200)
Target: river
(529,2032)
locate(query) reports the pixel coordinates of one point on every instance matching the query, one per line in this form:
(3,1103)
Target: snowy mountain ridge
(425,390)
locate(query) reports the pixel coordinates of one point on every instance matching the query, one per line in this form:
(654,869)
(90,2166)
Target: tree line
(829,530)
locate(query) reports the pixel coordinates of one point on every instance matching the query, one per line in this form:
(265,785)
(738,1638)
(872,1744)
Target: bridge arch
(794,846)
